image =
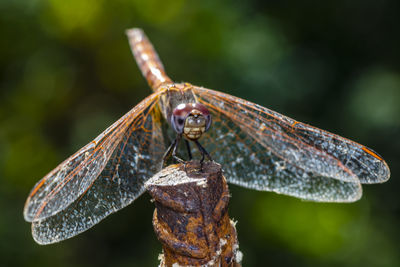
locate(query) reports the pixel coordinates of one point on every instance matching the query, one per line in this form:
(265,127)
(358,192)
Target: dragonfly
(258,148)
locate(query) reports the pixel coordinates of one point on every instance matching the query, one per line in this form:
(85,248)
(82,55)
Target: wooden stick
(191,216)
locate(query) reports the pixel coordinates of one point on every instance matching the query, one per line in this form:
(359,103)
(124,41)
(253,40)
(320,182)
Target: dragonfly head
(191,120)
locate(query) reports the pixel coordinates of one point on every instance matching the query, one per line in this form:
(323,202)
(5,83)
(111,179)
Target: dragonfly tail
(147,59)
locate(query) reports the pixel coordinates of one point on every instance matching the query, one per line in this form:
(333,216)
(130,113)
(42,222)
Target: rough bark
(191,216)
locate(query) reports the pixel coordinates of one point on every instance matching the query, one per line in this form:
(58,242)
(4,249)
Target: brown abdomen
(147,59)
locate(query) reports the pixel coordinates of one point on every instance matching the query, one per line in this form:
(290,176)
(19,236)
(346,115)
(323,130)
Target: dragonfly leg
(188,149)
(177,140)
(167,154)
(203,152)
(172,150)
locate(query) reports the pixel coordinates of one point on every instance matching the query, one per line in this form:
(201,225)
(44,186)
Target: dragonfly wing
(137,157)
(119,157)
(265,150)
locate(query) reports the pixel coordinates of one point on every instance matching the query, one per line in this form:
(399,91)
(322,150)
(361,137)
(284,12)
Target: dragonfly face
(191,120)
(258,148)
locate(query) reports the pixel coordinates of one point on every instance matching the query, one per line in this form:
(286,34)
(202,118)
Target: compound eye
(178,122)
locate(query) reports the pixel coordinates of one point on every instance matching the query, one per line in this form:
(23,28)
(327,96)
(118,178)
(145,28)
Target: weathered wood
(191,216)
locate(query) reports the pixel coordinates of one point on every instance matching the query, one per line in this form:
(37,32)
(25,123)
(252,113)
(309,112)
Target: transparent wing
(264,150)
(134,161)
(99,179)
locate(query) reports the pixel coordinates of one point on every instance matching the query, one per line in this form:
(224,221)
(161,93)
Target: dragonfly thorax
(191,120)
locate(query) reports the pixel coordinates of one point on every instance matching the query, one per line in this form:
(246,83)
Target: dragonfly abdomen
(147,59)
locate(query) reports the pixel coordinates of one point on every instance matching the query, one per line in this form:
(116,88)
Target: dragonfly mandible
(257,147)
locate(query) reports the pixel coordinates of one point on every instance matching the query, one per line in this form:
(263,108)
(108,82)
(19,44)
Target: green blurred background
(67,73)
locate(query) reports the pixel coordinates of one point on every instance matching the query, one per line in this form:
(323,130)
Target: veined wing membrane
(265,150)
(369,167)
(72,178)
(137,158)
